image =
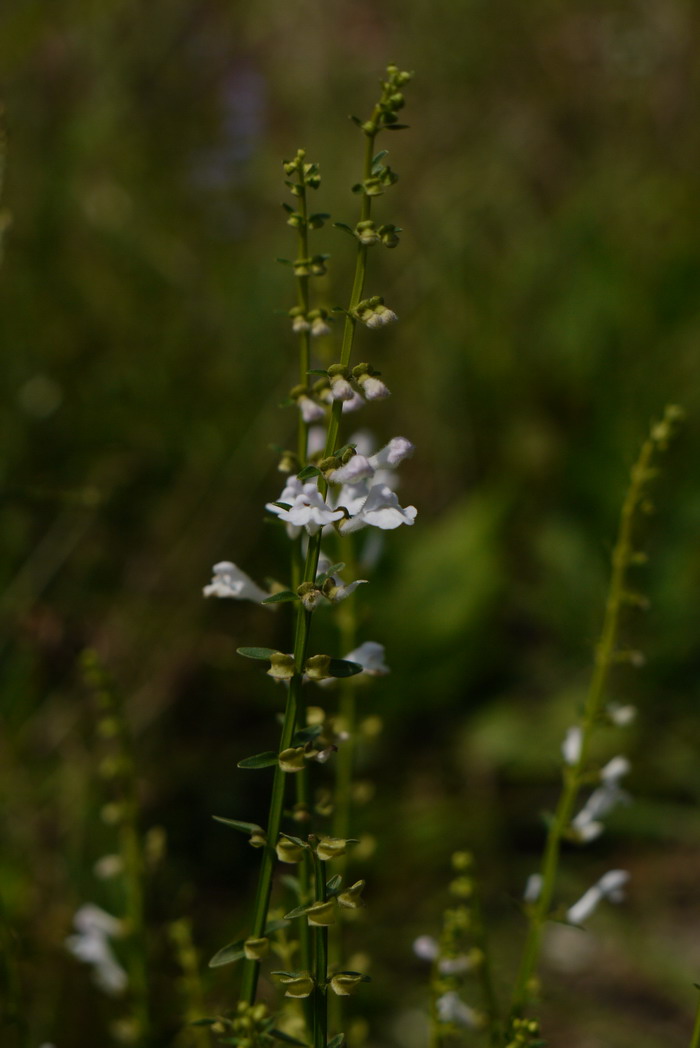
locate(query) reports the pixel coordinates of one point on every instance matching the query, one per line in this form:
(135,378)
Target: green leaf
(334,883)
(228,954)
(333,570)
(339,452)
(338,1041)
(305,735)
(355,120)
(259,760)
(295,840)
(275,926)
(286,1038)
(282,505)
(236,824)
(319,216)
(396,127)
(288,208)
(284,261)
(292,883)
(280,598)
(257,653)
(307,472)
(345,228)
(298,911)
(343,668)
(380,156)
(317,371)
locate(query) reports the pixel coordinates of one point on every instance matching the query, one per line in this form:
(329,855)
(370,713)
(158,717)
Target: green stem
(695,1041)
(251,968)
(320,940)
(574,774)
(304,336)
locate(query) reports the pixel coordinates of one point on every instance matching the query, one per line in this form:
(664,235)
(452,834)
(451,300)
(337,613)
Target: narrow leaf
(283,505)
(334,883)
(308,472)
(396,127)
(233,952)
(257,653)
(288,208)
(295,840)
(275,926)
(305,735)
(343,668)
(338,1041)
(298,911)
(259,760)
(345,228)
(317,371)
(236,824)
(280,598)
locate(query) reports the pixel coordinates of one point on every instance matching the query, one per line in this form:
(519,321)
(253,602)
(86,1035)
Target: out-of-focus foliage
(547,289)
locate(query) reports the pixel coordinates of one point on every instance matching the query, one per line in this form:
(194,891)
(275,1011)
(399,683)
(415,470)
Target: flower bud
(351,898)
(292,759)
(331,848)
(297,984)
(319,327)
(310,595)
(345,983)
(257,839)
(281,666)
(288,851)
(288,462)
(321,914)
(256,949)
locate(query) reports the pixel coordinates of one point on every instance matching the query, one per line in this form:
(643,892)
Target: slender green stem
(574,774)
(262,899)
(320,939)
(304,336)
(695,1041)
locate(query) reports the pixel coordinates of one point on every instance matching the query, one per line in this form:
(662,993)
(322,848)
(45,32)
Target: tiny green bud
(462,887)
(317,667)
(108,727)
(288,462)
(351,898)
(292,759)
(297,984)
(281,666)
(257,839)
(288,851)
(462,860)
(331,848)
(256,949)
(321,914)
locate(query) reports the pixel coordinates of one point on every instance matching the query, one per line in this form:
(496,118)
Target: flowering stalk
(577,744)
(695,1040)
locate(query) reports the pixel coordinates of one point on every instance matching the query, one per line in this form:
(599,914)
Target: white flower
(230,581)
(378,317)
(392,454)
(425,947)
(373,387)
(108,866)
(613,771)
(319,327)
(308,510)
(355,469)
(95,927)
(380,509)
(621,716)
(370,656)
(603,799)
(533,887)
(354,404)
(452,1009)
(300,324)
(310,410)
(341,389)
(571,746)
(609,887)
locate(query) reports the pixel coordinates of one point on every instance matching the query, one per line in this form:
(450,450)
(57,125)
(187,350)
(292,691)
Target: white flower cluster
(365,497)
(610,886)
(587,823)
(95,927)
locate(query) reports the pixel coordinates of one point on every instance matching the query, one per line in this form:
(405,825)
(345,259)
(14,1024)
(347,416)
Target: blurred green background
(547,288)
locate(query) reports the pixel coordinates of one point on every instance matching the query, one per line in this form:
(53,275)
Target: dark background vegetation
(547,287)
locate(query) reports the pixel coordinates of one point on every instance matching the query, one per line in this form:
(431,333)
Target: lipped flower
(230,581)
(610,886)
(587,824)
(95,927)
(452,1009)
(370,656)
(307,509)
(571,746)
(381,509)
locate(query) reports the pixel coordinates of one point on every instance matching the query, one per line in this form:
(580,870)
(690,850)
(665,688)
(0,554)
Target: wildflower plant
(335,486)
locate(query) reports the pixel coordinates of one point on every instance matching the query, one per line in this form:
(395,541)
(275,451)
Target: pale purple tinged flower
(308,510)
(571,746)
(310,410)
(533,887)
(91,944)
(370,656)
(353,404)
(452,1009)
(613,771)
(425,947)
(230,581)
(610,886)
(319,327)
(393,453)
(380,509)
(341,389)
(355,469)
(373,388)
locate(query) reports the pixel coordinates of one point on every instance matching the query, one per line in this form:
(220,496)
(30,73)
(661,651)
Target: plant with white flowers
(332,490)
